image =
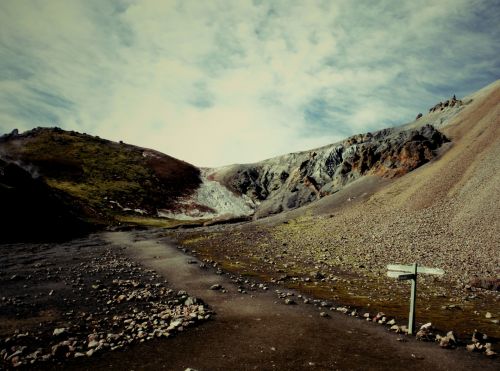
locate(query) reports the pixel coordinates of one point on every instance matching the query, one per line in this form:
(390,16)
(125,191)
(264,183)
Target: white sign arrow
(410,268)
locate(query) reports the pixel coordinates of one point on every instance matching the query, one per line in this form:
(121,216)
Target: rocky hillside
(296,179)
(290,181)
(106,177)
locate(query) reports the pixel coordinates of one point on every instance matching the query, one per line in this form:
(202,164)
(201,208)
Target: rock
(190,301)
(488,315)
(391,322)
(60,350)
(490,353)
(15,354)
(427,326)
(216,287)
(324,314)
(471,347)
(477,337)
(90,353)
(317,275)
(294,180)
(59,331)
(289,301)
(378,316)
(121,298)
(92,344)
(425,333)
(447,341)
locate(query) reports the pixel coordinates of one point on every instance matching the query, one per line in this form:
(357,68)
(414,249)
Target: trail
(257,331)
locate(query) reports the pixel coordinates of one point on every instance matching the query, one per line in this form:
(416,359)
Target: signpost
(409,272)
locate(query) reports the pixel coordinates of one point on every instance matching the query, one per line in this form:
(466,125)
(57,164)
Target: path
(259,332)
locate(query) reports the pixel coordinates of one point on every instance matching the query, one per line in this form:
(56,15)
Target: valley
(115,254)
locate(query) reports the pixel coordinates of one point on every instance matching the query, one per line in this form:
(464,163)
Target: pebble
(59,331)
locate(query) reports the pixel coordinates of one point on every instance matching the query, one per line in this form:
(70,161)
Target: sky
(221,82)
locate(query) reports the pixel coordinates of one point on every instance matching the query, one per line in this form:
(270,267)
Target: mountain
(296,179)
(106,180)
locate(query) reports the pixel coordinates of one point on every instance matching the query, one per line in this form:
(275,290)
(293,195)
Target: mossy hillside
(101,173)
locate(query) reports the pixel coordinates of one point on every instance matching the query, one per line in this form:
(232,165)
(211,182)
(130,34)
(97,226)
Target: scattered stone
(490,353)
(289,301)
(425,332)
(447,341)
(471,347)
(395,328)
(190,301)
(216,287)
(59,331)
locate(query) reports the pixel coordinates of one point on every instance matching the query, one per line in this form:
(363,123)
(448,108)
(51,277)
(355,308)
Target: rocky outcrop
(448,103)
(293,180)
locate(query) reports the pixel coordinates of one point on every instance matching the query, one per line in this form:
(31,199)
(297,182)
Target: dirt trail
(257,331)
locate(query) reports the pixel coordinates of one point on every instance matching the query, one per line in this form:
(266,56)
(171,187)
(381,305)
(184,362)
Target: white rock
(59,331)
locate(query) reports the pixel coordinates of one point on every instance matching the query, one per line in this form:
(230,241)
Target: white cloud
(219,82)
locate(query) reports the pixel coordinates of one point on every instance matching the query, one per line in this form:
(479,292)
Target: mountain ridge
(114,179)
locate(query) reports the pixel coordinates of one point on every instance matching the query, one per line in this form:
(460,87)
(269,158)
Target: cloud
(221,82)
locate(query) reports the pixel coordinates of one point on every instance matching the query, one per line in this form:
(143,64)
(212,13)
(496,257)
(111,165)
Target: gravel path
(255,328)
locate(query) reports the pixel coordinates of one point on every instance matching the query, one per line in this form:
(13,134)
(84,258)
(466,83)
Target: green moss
(154,222)
(96,171)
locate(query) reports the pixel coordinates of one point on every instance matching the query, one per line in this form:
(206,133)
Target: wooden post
(409,272)
(413,300)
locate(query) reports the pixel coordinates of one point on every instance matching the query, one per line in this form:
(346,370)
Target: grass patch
(154,222)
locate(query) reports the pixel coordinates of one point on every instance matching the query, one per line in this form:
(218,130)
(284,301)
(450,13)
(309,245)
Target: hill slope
(104,176)
(107,179)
